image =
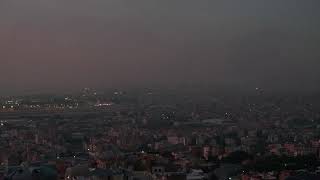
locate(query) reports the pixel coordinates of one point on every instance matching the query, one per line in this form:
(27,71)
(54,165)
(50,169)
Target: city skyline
(159,90)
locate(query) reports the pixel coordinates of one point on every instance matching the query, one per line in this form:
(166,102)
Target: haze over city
(159,90)
(49,45)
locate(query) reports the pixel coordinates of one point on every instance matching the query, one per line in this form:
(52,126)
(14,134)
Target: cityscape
(159,90)
(151,134)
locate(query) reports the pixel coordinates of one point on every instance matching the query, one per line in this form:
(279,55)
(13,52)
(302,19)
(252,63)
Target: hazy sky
(68,44)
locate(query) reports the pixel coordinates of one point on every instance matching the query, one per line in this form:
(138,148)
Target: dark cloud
(51,44)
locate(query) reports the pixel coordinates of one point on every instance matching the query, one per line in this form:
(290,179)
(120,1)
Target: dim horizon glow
(62,45)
